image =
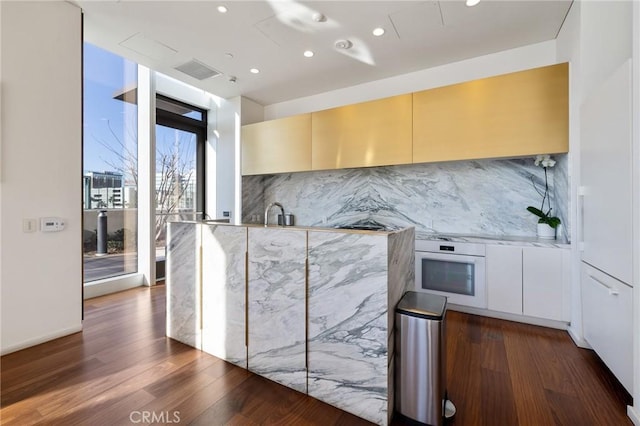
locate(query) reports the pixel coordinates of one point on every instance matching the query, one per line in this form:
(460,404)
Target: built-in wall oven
(452,269)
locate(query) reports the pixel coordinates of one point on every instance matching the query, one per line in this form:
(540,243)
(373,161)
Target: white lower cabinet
(542,283)
(607,318)
(504,278)
(531,281)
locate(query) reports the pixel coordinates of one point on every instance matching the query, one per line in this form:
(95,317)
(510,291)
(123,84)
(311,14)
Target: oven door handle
(466,258)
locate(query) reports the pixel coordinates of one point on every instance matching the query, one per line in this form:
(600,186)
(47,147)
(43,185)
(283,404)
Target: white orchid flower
(539,158)
(548,163)
(544,160)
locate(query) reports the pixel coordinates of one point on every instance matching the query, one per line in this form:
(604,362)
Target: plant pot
(546,232)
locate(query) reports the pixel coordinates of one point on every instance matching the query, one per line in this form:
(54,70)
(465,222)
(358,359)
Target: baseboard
(578,340)
(41,339)
(633,414)
(560,325)
(112,285)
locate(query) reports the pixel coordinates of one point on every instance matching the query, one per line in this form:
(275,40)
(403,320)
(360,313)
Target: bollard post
(102,233)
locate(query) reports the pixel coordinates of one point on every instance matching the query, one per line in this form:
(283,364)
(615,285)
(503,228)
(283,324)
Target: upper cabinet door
(277,146)
(517,114)
(375,133)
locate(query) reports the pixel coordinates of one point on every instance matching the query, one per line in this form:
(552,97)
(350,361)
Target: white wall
(41,279)
(568,50)
(146,177)
(634,412)
(252,112)
(532,56)
(227,159)
(605,40)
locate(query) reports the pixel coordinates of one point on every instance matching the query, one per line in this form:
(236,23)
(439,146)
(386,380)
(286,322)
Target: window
(110,166)
(180,145)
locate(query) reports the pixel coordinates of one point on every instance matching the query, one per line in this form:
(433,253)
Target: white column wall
(634,411)
(227,175)
(41,171)
(146,175)
(568,50)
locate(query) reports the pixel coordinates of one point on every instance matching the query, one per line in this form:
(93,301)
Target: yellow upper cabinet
(517,114)
(277,146)
(374,133)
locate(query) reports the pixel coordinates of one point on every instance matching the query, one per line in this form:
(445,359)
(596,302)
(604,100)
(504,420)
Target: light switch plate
(29,225)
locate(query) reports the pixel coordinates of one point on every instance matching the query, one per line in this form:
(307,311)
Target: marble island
(310,308)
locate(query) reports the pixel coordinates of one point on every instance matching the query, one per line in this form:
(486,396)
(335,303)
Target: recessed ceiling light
(254,70)
(308,53)
(378,31)
(471,3)
(223,9)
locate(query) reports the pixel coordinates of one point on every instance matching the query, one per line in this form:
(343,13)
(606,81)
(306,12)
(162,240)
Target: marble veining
(561,186)
(401,277)
(183,319)
(487,197)
(276,297)
(223,292)
(345,297)
(347,317)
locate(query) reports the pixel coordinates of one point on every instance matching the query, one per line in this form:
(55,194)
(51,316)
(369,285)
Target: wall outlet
(29,225)
(226,214)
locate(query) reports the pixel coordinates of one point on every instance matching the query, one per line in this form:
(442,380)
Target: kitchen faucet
(266,212)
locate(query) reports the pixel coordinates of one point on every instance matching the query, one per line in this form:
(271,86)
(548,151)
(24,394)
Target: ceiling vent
(197,70)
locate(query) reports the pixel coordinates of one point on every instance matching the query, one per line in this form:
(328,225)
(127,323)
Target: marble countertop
(301,228)
(495,239)
(486,239)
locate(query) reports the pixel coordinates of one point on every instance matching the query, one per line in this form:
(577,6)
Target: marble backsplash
(483,197)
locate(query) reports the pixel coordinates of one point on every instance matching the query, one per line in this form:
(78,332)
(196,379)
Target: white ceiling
(271,35)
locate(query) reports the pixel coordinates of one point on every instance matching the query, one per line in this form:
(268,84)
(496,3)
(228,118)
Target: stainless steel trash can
(420,382)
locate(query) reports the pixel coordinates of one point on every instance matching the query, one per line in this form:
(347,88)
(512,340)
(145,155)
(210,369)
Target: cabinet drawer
(607,318)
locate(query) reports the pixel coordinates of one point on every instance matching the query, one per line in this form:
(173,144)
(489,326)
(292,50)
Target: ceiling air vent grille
(197,70)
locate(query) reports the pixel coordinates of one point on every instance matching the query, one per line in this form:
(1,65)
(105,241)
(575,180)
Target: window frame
(188,124)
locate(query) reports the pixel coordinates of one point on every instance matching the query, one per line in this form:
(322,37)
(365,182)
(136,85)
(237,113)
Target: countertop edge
(293,228)
(497,240)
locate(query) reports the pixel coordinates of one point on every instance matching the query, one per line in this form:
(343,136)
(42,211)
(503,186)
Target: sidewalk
(98,267)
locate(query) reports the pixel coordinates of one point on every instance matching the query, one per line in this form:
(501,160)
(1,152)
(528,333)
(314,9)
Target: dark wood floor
(121,368)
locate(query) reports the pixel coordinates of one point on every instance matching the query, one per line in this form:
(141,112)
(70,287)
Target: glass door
(176,179)
(110,166)
(179,180)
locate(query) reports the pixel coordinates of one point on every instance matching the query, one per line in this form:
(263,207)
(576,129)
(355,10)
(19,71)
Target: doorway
(179,181)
